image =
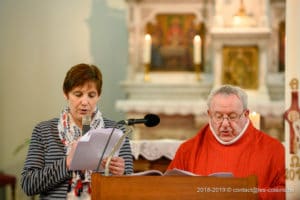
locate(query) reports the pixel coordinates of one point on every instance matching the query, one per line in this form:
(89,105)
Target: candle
(147,49)
(255,119)
(197,49)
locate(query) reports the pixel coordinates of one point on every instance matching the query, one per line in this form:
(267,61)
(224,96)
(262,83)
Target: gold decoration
(294,84)
(197,71)
(147,72)
(241,19)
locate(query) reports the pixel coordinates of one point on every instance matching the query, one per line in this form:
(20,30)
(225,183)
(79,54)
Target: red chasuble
(255,153)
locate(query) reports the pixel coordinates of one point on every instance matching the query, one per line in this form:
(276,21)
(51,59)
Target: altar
(153,154)
(168,77)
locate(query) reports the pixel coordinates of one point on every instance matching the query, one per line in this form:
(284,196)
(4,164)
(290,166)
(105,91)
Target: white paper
(90,147)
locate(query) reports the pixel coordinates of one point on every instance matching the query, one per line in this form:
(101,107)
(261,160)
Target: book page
(90,147)
(152,172)
(222,174)
(178,172)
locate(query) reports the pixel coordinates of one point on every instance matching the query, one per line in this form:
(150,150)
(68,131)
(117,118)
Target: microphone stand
(108,140)
(106,145)
(115,148)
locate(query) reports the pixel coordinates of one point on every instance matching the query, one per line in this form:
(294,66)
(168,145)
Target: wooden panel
(172,187)
(8,180)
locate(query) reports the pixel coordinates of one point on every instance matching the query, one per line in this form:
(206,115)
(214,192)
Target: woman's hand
(116,167)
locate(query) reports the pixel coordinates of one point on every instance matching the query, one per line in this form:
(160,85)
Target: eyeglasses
(231,117)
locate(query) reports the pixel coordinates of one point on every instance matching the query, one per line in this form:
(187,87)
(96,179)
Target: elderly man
(230,143)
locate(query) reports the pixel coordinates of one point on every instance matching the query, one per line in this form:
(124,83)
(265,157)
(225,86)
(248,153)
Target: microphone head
(86,119)
(151,120)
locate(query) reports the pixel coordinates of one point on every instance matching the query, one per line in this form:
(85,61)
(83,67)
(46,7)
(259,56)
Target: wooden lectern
(172,187)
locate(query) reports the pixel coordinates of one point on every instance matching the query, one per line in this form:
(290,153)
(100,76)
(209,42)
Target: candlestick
(146,72)
(197,49)
(255,119)
(147,49)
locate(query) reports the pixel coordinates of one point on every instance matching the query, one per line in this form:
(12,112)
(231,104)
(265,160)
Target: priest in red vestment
(230,143)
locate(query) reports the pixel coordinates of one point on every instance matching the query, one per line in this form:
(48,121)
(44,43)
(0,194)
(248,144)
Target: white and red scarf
(79,185)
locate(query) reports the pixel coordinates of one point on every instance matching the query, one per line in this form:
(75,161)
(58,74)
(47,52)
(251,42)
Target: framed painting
(172,41)
(240,66)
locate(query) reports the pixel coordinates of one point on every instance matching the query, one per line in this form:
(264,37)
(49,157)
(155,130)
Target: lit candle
(147,49)
(197,49)
(255,119)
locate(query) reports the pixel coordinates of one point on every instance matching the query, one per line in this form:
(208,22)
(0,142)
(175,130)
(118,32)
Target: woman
(46,170)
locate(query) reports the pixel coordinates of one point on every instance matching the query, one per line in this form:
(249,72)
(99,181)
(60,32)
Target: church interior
(157,56)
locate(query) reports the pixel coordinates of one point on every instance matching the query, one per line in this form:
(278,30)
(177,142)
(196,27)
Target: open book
(177,172)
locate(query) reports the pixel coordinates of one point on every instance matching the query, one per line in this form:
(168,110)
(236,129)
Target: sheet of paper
(90,147)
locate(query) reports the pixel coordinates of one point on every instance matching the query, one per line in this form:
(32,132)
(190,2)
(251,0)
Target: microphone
(86,121)
(149,120)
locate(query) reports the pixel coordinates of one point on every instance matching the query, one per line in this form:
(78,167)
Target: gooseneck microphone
(86,121)
(149,120)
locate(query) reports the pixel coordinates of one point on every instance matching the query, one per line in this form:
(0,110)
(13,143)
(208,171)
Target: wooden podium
(172,187)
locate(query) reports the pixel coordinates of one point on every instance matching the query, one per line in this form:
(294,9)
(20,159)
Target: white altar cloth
(155,149)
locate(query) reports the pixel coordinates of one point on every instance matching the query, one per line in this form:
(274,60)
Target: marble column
(218,18)
(264,16)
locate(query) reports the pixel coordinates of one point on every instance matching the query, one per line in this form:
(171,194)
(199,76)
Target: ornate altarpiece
(230,54)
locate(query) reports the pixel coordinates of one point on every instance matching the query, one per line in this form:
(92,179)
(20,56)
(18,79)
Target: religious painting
(240,66)
(172,41)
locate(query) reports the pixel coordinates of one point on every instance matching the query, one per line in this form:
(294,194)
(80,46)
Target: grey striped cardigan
(45,171)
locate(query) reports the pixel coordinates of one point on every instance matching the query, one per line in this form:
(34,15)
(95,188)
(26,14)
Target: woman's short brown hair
(79,74)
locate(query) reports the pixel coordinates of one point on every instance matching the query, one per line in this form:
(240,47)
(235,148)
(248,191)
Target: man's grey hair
(229,90)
